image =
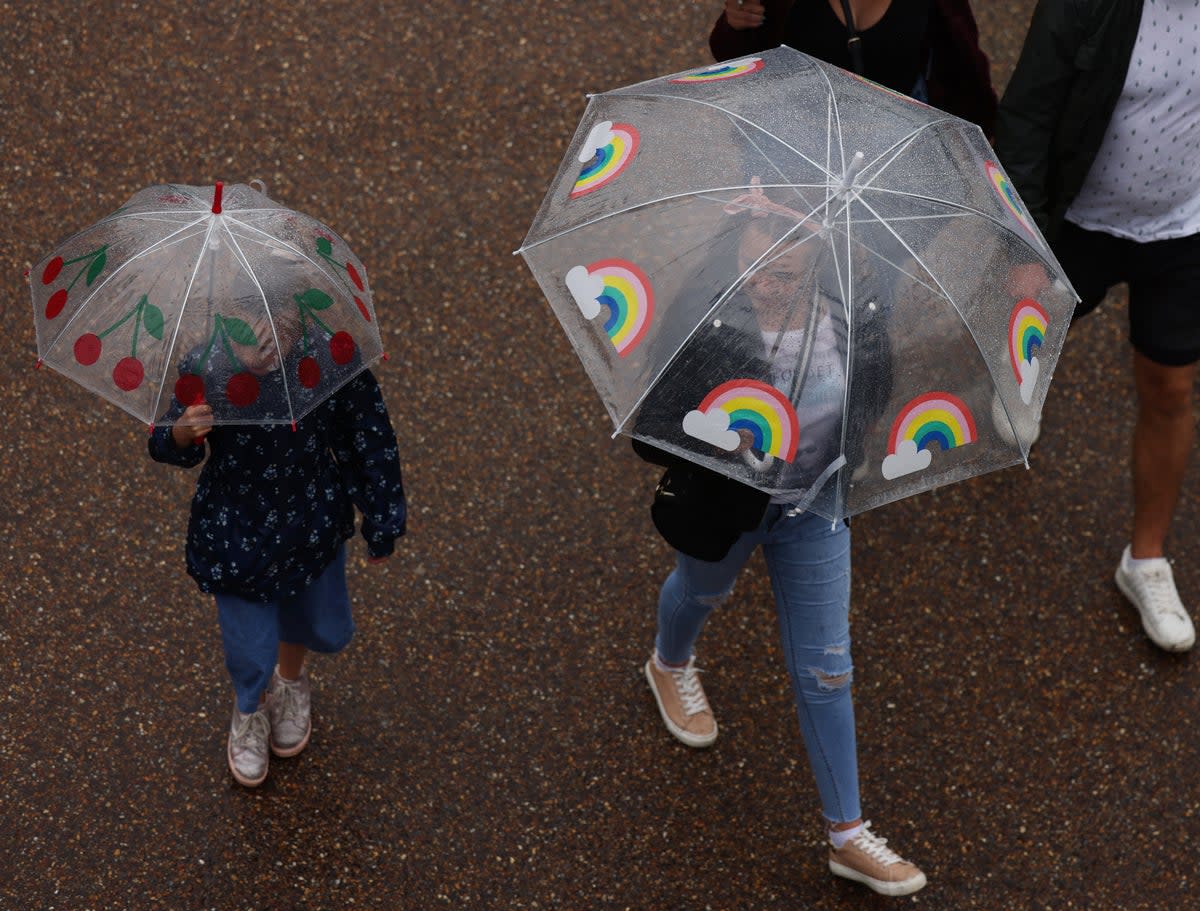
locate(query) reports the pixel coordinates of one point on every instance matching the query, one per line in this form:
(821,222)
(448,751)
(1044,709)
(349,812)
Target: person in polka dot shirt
(1099,129)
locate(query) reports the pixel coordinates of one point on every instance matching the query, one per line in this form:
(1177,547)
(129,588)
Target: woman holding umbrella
(785,323)
(928,49)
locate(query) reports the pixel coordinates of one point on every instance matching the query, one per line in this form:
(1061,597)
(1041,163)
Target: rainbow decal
(719,71)
(936,417)
(1026,334)
(622,288)
(1009,196)
(746,405)
(606,152)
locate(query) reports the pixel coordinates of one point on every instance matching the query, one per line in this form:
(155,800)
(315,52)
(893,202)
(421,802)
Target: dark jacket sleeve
(727,42)
(365,446)
(1060,98)
(162,444)
(1034,102)
(960,78)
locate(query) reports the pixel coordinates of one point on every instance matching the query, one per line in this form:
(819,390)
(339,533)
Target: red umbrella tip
(293,426)
(217,198)
(384,355)
(38,365)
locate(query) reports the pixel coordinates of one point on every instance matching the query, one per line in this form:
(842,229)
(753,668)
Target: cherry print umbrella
(206,294)
(801,280)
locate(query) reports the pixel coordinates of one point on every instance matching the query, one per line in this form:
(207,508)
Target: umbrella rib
(950,300)
(702,194)
(277,241)
(187,292)
(172,238)
(732,115)
(961,210)
(724,296)
(241,256)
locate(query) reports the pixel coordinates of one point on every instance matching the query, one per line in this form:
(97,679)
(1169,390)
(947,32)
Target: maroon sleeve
(960,78)
(726,42)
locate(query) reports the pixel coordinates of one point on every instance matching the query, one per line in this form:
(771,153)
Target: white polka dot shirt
(1145,181)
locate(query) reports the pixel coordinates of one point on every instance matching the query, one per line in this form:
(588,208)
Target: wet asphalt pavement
(487,741)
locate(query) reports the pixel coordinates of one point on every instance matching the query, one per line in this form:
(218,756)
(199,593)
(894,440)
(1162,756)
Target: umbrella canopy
(208,294)
(802,280)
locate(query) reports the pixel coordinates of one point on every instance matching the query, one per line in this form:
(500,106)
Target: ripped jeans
(809,563)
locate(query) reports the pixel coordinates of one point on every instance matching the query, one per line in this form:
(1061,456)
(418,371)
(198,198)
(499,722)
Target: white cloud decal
(600,136)
(712,427)
(586,289)
(1029,377)
(905,460)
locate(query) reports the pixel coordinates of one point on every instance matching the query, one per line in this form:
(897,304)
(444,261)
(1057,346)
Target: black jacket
(719,508)
(1057,106)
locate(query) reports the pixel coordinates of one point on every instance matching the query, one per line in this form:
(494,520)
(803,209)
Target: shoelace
(1159,586)
(687,682)
(290,700)
(253,731)
(875,847)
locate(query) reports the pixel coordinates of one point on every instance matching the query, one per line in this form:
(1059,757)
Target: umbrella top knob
(217,198)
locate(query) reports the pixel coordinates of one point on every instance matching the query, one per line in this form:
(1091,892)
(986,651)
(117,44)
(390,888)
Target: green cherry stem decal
(129,372)
(325,250)
(93,261)
(341,345)
(242,388)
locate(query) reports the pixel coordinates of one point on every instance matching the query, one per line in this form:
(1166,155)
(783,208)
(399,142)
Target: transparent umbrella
(802,280)
(208,294)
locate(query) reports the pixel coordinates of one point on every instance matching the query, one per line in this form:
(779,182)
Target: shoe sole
(288,752)
(904,887)
(242,779)
(697,741)
(1165,645)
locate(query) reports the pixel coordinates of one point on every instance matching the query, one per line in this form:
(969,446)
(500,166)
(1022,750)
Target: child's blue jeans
(318,618)
(808,559)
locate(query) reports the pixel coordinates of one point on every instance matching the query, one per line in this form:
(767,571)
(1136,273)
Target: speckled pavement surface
(487,741)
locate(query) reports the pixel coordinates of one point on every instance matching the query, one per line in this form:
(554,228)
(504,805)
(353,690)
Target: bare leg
(291,660)
(1162,447)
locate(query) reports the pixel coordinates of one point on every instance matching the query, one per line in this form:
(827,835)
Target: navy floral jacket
(273,504)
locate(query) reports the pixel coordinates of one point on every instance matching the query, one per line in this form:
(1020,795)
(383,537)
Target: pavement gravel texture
(487,741)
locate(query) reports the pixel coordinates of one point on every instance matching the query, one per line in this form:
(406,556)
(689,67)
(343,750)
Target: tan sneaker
(867,859)
(682,703)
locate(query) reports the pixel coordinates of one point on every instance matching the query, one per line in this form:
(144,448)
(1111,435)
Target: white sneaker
(247,751)
(1151,589)
(290,713)
(1028,427)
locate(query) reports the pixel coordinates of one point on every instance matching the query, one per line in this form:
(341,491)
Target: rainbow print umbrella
(206,294)
(801,280)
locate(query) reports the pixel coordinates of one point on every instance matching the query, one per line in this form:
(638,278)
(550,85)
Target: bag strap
(853,41)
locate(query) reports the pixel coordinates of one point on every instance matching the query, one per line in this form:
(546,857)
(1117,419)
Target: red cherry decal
(242,389)
(50,273)
(189,390)
(358,282)
(341,348)
(57,301)
(310,372)
(362,308)
(87,349)
(128,373)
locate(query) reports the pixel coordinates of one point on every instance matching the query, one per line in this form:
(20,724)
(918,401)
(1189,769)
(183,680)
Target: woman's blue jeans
(808,559)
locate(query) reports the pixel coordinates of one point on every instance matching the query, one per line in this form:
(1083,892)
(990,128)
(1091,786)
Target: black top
(894,48)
